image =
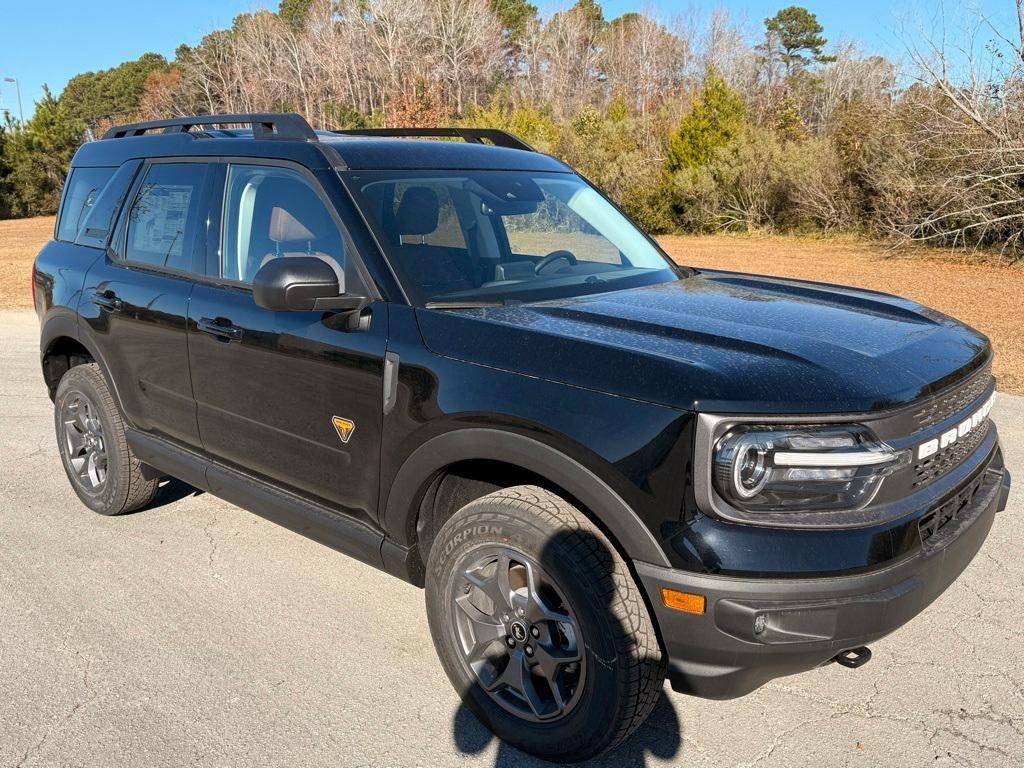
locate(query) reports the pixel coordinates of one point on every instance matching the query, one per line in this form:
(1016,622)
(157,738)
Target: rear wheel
(540,626)
(104,472)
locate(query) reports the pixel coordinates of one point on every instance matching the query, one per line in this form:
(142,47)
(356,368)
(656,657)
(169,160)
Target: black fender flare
(60,325)
(57,325)
(470,443)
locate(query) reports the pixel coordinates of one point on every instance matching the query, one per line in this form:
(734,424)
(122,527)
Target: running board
(315,521)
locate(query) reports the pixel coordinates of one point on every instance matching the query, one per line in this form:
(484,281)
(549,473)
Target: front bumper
(804,623)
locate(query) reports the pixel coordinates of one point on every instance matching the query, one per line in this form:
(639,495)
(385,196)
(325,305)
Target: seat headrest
(417,212)
(284,227)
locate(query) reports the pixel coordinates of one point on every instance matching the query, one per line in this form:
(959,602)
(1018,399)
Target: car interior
(451,235)
(275,214)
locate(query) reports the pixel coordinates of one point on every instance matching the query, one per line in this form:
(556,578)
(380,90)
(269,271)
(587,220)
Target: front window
(482,237)
(272,213)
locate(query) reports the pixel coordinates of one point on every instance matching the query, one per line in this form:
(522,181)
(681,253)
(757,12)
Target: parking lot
(194,633)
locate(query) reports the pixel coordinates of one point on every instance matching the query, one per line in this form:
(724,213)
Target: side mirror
(302,283)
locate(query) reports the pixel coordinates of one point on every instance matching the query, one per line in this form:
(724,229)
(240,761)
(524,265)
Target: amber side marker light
(683,601)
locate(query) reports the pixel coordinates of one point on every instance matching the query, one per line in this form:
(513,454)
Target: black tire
(124,487)
(624,665)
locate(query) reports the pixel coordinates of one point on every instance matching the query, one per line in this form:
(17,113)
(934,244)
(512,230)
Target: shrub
(764,182)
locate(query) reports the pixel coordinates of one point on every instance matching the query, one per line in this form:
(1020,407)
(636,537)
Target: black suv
(457,361)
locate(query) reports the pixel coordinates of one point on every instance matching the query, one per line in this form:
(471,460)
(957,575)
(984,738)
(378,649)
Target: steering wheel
(555,256)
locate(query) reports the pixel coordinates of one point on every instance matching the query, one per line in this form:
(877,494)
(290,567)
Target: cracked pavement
(194,633)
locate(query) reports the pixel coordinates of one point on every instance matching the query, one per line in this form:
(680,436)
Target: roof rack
(288,125)
(471,135)
(265,125)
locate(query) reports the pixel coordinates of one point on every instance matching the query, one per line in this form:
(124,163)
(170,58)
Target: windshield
(482,237)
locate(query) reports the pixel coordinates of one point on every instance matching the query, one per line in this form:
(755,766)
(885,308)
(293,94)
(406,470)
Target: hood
(723,342)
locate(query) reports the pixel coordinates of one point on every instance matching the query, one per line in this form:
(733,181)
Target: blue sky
(51,41)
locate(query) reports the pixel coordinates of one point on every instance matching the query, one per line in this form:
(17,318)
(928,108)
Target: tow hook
(853,658)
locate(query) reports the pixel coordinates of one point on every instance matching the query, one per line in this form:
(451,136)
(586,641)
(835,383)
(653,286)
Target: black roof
(383,153)
(288,137)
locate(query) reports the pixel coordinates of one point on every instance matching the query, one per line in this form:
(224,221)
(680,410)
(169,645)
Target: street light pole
(17,88)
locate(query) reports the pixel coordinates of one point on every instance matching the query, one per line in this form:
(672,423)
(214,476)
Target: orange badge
(345,428)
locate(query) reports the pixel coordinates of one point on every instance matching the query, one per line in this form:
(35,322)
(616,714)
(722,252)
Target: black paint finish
(724,343)
(266,399)
(596,395)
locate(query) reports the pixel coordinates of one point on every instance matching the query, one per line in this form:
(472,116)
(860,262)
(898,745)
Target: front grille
(935,466)
(942,407)
(953,509)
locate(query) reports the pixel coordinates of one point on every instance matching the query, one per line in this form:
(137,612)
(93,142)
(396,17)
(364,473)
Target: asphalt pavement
(194,633)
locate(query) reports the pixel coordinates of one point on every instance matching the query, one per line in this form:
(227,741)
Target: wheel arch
(526,461)
(62,346)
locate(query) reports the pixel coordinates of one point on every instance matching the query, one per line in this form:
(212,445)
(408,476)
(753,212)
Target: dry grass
(986,296)
(20,241)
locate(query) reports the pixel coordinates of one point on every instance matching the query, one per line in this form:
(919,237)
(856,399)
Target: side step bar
(347,535)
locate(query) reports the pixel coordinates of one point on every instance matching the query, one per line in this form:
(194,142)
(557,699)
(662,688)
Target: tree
(591,11)
(6,193)
(794,37)
(294,12)
(715,121)
(560,65)
(642,59)
(160,95)
(39,154)
(514,17)
(469,49)
(114,92)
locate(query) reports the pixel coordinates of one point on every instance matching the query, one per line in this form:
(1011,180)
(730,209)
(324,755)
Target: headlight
(769,469)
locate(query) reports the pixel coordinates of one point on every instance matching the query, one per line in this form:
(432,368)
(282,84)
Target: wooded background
(691,124)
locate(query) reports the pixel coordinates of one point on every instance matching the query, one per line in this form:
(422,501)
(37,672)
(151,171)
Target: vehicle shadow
(659,737)
(171,490)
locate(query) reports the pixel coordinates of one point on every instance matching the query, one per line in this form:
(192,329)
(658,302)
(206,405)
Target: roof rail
(471,135)
(265,125)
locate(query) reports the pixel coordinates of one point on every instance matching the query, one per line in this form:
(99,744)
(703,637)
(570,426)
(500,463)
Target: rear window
(163,219)
(83,188)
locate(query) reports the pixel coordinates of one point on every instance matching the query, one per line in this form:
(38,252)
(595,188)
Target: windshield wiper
(471,304)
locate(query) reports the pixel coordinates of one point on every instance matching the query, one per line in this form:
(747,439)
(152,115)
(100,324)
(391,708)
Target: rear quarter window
(84,186)
(98,219)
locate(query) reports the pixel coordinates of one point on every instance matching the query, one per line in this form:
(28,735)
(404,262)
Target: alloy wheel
(84,443)
(518,635)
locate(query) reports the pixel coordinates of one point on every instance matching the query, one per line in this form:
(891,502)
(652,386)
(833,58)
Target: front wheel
(540,626)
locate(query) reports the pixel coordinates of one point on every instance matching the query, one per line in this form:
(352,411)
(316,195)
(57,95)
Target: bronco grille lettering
(959,432)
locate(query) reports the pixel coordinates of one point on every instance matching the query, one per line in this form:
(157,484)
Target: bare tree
(561,62)
(643,60)
(851,78)
(969,110)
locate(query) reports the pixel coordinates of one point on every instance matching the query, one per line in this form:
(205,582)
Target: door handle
(220,328)
(108,300)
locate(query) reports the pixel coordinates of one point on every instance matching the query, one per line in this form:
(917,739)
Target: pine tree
(715,121)
(794,37)
(513,15)
(39,154)
(294,12)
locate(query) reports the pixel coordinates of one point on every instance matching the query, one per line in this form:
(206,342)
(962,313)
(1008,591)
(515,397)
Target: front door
(294,397)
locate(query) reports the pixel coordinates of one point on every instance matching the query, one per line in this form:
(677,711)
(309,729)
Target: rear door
(135,300)
(294,397)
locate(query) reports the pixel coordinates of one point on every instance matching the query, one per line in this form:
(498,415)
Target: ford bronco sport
(458,362)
